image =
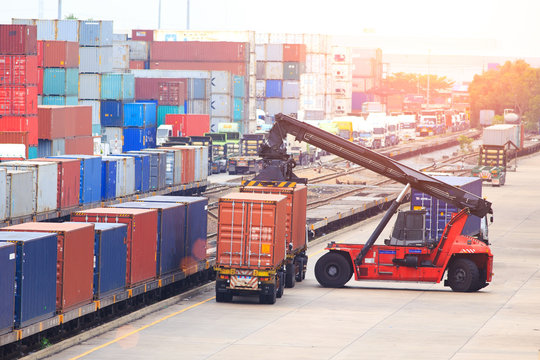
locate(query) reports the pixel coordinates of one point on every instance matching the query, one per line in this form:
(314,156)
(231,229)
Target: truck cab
(380,131)
(163,134)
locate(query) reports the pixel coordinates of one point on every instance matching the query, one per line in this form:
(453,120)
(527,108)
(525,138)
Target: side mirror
(491,219)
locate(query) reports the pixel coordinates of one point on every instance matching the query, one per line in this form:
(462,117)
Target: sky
(475,27)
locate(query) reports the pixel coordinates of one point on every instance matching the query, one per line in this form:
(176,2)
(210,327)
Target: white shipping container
(198,107)
(216,120)
(120,57)
(186,74)
(290,106)
(260,52)
(204,161)
(342,72)
(90,87)
(44,182)
(113,136)
(501,134)
(260,89)
(221,82)
(19,200)
(138,50)
(46,29)
(486,117)
(67,30)
(194,35)
(262,38)
(273,106)
(221,105)
(96,109)
(95,59)
(342,106)
(3,193)
(291,89)
(274,70)
(342,89)
(274,52)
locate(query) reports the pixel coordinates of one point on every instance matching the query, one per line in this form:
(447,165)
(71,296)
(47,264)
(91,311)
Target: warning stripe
(282,184)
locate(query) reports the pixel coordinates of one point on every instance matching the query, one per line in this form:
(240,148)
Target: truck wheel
(300,267)
(290,275)
(464,276)
(281,285)
(268,299)
(223,297)
(333,270)
(503,179)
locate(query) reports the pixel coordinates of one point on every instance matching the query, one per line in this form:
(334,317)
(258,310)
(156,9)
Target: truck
(363,133)
(407,127)
(380,131)
(410,254)
(219,152)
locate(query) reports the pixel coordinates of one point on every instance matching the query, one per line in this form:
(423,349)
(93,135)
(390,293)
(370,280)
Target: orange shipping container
(295,225)
(250,231)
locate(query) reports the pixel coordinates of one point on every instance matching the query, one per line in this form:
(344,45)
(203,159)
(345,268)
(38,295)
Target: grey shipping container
(221,82)
(198,107)
(260,52)
(3,193)
(260,88)
(67,30)
(291,71)
(18,198)
(197,89)
(95,33)
(138,50)
(46,29)
(154,168)
(261,70)
(291,89)
(95,59)
(90,87)
(114,137)
(273,106)
(221,105)
(274,52)
(120,57)
(173,174)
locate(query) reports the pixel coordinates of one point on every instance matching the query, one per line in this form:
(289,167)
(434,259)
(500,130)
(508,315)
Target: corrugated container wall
(3,194)
(19,201)
(138,50)
(60,54)
(95,33)
(69,177)
(7,286)
(117,86)
(108,178)
(95,59)
(198,51)
(120,57)
(18,39)
(90,175)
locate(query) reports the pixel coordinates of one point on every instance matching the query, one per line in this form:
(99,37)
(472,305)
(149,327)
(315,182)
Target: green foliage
(45,343)
(71,17)
(498,119)
(465,143)
(408,83)
(511,87)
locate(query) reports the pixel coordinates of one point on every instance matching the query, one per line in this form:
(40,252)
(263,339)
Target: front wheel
(333,270)
(464,276)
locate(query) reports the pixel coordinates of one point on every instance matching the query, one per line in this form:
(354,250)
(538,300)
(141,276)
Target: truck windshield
(364,134)
(378,131)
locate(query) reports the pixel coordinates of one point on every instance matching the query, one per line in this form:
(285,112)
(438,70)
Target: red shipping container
(136,64)
(142,35)
(75,264)
(80,145)
(295,225)
(18,39)
(218,51)
(27,124)
(141,238)
(15,137)
(40,53)
(18,69)
(69,175)
(52,121)
(294,52)
(250,231)
(171,93)
(188,124)
(188,163)
(60,54)
(79,120)
(18,100)
(40,81)
(237,68)
(148,88)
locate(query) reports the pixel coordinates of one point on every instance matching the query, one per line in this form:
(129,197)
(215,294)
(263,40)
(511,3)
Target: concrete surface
(365,320)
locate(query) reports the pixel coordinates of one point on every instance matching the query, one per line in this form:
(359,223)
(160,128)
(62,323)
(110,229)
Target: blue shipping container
(54,81)
(197,89)
(171,232)
(108,179)
(60,100)
(140,114)
(111,113)
(439,212)
(117,86)
(238,112)
(196,222)
(90,190)
(153,168)
(161,168)
(137,138)
(7,286)
(72,82)
(238,86)
(95,33)
(110,251)
(35,275)
(273,88)
(32,152)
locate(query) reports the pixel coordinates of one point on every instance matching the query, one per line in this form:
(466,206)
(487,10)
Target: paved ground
(366,320)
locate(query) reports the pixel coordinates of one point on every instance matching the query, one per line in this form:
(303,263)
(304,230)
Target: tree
(71,17)
(408,83)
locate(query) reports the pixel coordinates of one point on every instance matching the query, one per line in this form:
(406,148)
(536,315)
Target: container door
(259,235)
(232,217)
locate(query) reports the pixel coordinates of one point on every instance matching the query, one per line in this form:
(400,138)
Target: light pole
(428,76)
(187,16)
(159,15)
(59,9)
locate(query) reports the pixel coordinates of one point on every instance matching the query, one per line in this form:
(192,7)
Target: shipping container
(439,213)
(110,251)
(188,124)
(238,68)
(196,224)
(114,137)
(90,177)
(197,89)
(290,106)
(80,145)
(198,107)
(164,110)
(261,70)
(89,86)
(7,286)
(120,62)
(199,51)
(18,39)
(273,106)
(19,200)
(18,124)
(188,163)
(220,105)
(142,35)
(171,93)
(139,138)
(125,171)
(148,88)
(250,232)
(59,100)
(291,89)
(108,178)
(117,86)
(18,69)
(141,238)
(44,182)
(95,105)
(36,266)
(58,81)
(95,59)
(139,115)
(138,50)
(51,147)
(291,71)
(32,152)
(136,64)
(171,232)
(274,52)
(142,171)
(221,82)
(79,120)
(75,258)
(238,108)
(260,52)
(239,86)
(274,70)
(173,165)
(95,33)
(60,54)
(294,52)
(18,100)
(154,168)
(69,177)
(260,88)
(3,195)
(501,134)
(274,89)
(111,113)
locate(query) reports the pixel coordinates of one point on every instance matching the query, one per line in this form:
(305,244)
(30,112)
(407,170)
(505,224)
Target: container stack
(58,70)
(139,127)
(279,68)
(18,87)
(96,59)
(366,75)
(339,82)
(139,49)
(313,84)
(228,99)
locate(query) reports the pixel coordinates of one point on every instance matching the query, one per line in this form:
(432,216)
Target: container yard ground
(371,320)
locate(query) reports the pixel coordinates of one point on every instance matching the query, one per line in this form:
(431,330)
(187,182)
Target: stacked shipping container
(18,86)
(366,75)
(339,84)
(58,71)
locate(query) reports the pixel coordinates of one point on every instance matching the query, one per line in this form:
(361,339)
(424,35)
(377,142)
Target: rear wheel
(268,299)
(464,276)
(290,275)
(223,297)
(300,268)
(333,270)
(281,286)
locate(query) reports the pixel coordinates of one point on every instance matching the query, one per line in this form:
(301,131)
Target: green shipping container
(163,110)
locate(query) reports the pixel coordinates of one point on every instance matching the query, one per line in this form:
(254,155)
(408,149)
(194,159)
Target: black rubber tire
(281,286)
(290,275)
(333,270)
(223,297)
(305,258)
(300,266)
(464,276)
(268,299)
